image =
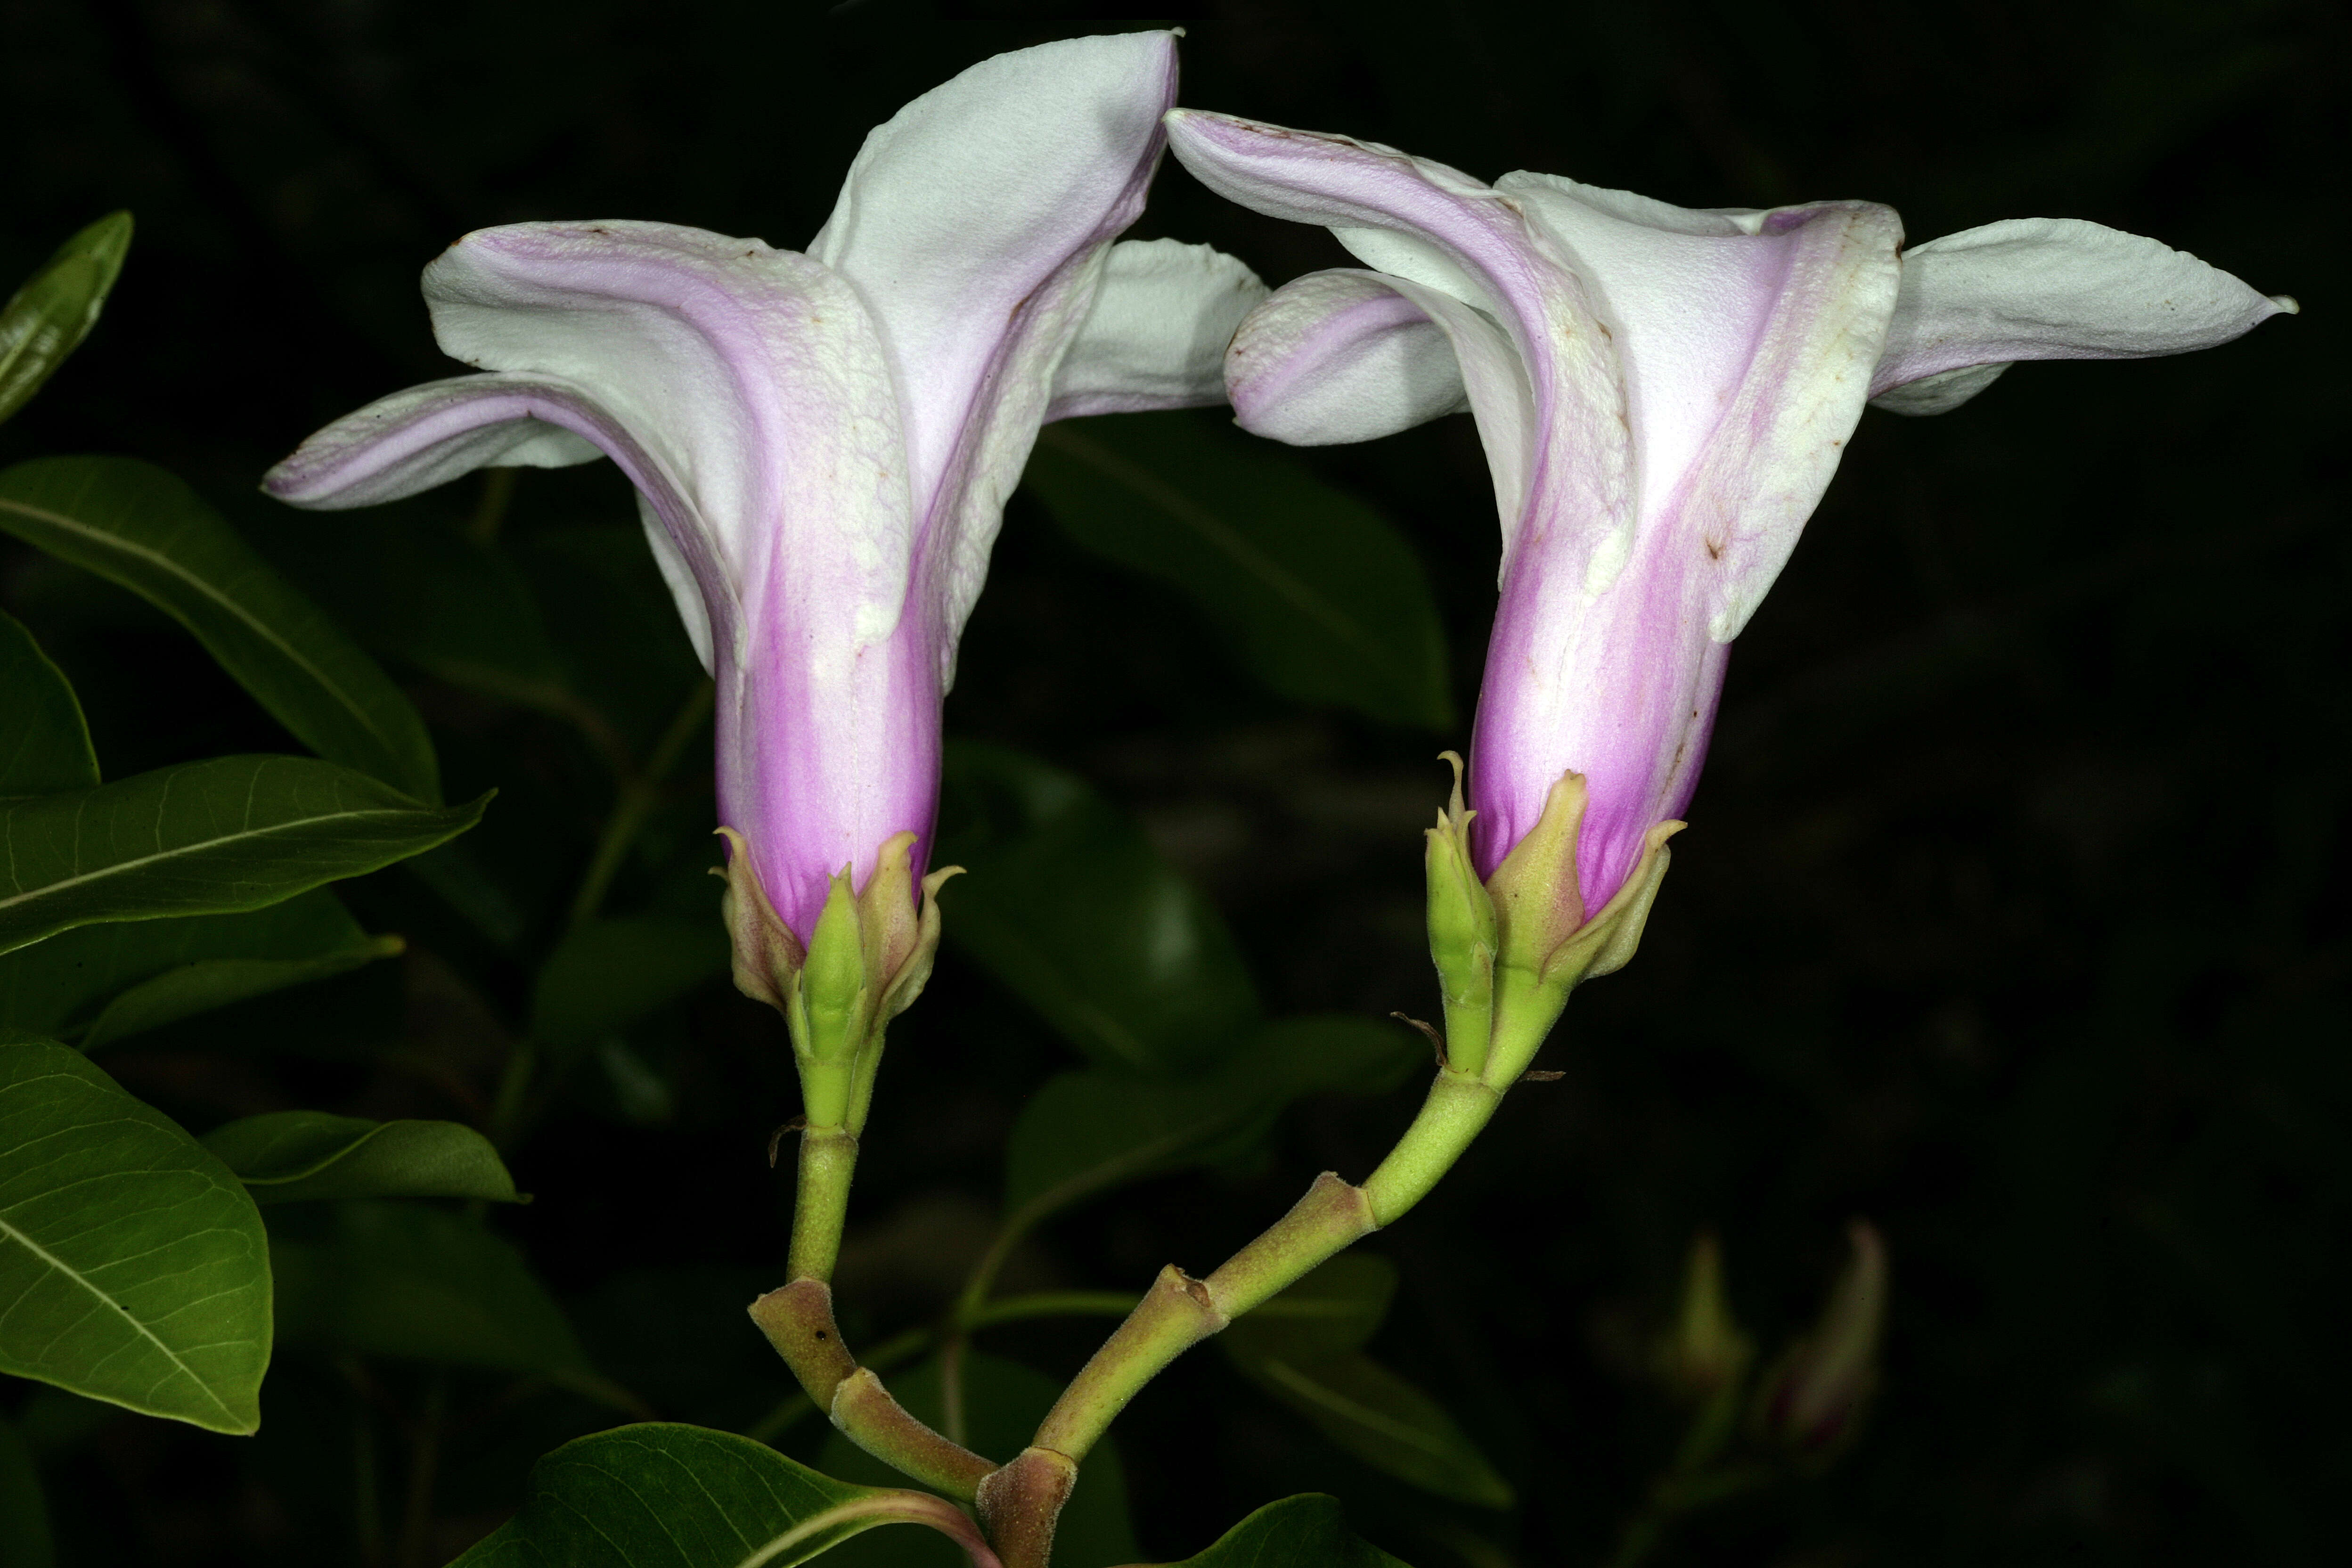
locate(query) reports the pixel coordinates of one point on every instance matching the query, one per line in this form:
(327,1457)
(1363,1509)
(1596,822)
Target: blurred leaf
(1088,1131)
(132,1263)
(1386,1422)
(136,525)
(608,973)
(285,1155)
(1003,1404)
(47,319)
(666,1496)
(634,1088)
(453,873)
(44,743)
(209,838)
(1305,1347)
(419,588)
(197,988)
(1067,904)
(59,986)
(24,1540)
(421,1284)
(1304,1532)
(1336,1309)
(1318,593)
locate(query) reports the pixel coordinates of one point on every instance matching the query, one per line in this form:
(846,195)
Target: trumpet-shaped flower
(821,443)
(1664,395)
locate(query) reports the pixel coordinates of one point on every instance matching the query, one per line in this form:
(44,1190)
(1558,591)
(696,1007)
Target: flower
(1663,395)
(821,442)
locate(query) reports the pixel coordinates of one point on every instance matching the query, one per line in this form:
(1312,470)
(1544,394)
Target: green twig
(490,511)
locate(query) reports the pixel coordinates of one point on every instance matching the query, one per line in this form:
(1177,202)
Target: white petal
(979,194)
(1940,392)
(1157,333)
(2051,289)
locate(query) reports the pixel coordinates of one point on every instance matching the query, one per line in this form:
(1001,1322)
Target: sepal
(1705,1355)
(767,956)
(1546,947)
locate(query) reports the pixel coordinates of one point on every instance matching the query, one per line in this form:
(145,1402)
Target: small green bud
(1706,1353)
(833,983)
(1460,933)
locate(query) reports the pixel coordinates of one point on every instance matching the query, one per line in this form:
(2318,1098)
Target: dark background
(2012,915)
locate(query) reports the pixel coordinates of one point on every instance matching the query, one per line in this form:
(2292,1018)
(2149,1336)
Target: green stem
(951,1421)
(1019,1501)
(416,1520)
(636,794)
(900,1348)
(821,1204)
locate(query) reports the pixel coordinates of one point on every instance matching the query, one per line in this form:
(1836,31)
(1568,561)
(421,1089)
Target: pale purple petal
(2049,288)
(973,198)
(1306,367)
(744,393)
(1156,335)
(1340,356)
(427,435)
(1746,342)
(1433,227)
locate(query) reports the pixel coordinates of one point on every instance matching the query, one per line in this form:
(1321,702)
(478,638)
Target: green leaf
(423,1284)
(44,743)
(209,838)
(48,318)
(666,1496)
(1003,1404)
(1304,1532)
(133,523)
(608,973)
(61,986)
(25,1540)
(1306,1348)
(1087,1132)
(1317,593)
(285,1155)
(134,1265)
(1067,903)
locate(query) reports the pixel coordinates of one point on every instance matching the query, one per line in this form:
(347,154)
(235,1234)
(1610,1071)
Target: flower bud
(1813,1402)
(866,960)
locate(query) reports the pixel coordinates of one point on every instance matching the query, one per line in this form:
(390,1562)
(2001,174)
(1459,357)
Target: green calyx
(864,963)
(1509,950)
